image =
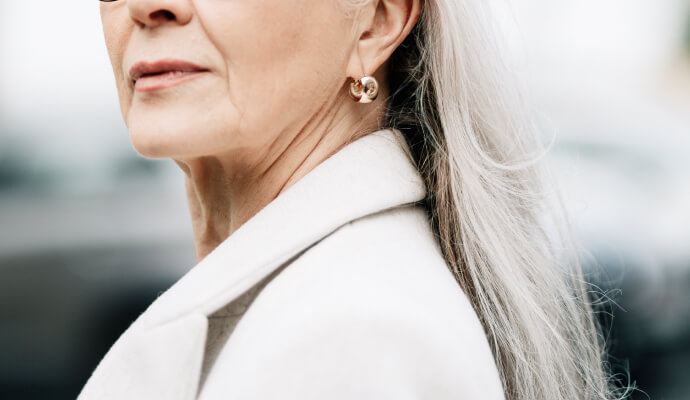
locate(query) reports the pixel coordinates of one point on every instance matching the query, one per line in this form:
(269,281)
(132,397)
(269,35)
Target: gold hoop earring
(364,90)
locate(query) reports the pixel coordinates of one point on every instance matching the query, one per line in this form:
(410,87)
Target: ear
(384,25)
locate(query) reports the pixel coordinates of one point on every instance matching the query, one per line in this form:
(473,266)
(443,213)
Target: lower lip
(166,80)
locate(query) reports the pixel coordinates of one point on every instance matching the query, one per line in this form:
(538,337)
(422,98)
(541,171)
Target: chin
(179,131)
(160,137)
(149,147)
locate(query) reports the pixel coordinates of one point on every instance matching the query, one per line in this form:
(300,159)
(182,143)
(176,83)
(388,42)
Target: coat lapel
(159,356)
(162,362)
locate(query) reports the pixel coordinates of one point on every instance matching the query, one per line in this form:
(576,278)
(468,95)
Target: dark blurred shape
(14,171)
(135,167)
(61,310)
(11,171)
(647,321)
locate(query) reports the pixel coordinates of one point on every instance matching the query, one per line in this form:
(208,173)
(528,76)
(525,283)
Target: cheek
(284,59)
(117,29)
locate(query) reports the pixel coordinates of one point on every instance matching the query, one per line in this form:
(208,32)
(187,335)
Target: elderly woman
(365,204)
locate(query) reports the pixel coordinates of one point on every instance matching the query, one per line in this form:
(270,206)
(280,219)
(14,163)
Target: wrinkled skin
(270,101)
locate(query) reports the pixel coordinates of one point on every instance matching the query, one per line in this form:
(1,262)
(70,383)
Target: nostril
(164,15)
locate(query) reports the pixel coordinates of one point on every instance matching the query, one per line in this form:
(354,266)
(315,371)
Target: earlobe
(385,24)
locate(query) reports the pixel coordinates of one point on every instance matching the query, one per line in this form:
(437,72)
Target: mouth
(158,75)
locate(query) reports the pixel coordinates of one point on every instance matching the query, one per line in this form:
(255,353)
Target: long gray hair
(481,166)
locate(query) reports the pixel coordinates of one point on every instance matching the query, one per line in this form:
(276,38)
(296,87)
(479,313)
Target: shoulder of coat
(371,311)
(388,262)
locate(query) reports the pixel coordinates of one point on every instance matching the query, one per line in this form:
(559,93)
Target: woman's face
(204,77)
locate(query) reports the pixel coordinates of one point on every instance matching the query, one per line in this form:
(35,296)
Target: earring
(364,90)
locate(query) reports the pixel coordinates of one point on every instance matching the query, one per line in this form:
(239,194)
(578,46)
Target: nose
(153,13)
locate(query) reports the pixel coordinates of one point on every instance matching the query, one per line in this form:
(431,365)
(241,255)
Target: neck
(223,193)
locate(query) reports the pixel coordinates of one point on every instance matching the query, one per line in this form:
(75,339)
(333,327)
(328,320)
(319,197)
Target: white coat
(362,305)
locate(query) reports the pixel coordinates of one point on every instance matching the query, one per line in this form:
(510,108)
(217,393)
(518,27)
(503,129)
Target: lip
(162,74)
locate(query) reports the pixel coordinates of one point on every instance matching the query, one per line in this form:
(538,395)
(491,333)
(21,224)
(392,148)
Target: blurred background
(90,233)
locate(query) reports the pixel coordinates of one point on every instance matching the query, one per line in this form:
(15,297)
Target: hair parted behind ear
(481,164)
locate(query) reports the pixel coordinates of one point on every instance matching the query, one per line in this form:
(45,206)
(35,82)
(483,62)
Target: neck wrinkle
(223,194)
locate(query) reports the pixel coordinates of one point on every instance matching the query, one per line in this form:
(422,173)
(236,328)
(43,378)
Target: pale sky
(57,89)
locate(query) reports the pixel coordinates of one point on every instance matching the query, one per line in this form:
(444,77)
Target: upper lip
(143,68)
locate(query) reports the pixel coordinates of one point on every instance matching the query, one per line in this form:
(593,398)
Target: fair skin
(267,100)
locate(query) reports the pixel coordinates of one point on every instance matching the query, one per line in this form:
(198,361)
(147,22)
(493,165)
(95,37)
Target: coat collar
(160,355)
(369,175)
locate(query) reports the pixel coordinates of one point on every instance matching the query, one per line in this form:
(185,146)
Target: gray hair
(481,162)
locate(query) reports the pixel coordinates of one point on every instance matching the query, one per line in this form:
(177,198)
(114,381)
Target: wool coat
(351,299)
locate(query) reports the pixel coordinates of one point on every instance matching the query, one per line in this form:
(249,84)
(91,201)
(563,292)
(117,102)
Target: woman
(388,247)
